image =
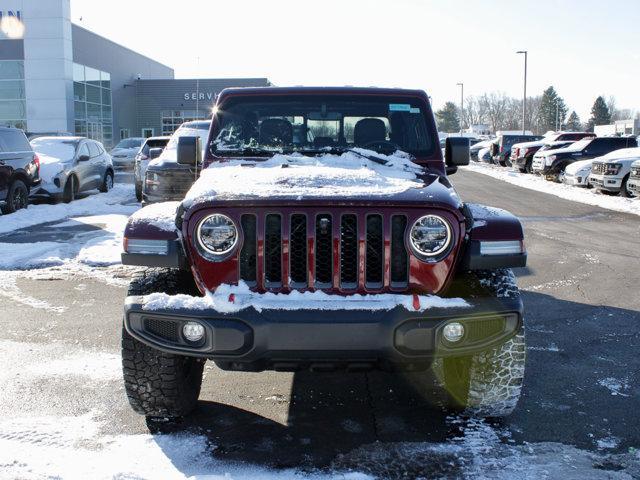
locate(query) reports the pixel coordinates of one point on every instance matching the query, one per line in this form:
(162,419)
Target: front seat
(369,130)
(276,132)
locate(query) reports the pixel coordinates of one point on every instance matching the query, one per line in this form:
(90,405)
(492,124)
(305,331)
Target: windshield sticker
(414,110)
(399,107)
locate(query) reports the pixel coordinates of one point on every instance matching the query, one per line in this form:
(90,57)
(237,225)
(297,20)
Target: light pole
(461,85)
(524,97)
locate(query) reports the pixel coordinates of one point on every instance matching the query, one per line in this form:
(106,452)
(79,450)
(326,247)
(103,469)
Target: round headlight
(217,234)
(430,236)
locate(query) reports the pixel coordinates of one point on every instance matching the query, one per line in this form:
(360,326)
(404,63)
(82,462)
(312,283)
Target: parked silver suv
(70,165)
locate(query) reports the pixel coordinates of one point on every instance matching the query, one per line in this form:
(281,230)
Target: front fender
(495,239)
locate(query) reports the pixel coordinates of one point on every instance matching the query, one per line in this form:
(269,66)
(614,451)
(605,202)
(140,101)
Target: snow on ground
(575,194)
(232,298)
(349,174)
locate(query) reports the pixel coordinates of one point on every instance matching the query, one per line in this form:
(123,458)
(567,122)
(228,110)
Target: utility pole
(461,85)
(524,96)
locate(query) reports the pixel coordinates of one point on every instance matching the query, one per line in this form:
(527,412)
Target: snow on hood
(49,167)
(161,215)
(349,174)
(244,298)
(575,167)
(622,154)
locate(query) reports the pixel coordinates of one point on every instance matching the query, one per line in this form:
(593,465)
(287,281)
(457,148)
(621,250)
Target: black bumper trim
(397,335)
(473,260)
(174,258)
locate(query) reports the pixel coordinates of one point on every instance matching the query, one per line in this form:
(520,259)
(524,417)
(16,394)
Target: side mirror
(189,151)
(155,153)
(83,158)
(456,153)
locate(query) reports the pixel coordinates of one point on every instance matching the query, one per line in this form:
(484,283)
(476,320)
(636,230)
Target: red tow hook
(232,298)
(416,302)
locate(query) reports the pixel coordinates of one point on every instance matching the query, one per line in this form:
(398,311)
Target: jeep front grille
(337,251)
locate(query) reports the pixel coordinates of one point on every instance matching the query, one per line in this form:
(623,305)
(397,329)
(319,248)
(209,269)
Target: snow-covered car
(484,154)
(633,184)
(124,153)
(152,148)
(522,153)
(611,172)
(552,164)
(165,178)
(71,165)
(344,249)
(475,149)
(577,174)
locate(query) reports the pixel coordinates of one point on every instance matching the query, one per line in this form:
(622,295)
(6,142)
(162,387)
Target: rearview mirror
(456,153)
(83,158)
(155,153)
(189,151)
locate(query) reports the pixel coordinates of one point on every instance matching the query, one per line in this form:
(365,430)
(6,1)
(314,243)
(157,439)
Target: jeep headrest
(369,130)
(276,131)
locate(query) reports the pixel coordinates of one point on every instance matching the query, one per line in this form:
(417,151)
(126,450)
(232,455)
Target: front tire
(160,384)
(70,190)
(139,191)
(107,182)
(17,197)
(489,383)
(624,190)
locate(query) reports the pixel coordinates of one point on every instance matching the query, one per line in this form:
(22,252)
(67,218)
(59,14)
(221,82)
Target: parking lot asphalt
(582,382)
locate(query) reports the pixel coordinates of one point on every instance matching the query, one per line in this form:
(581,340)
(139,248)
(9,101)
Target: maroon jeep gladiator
(323,234)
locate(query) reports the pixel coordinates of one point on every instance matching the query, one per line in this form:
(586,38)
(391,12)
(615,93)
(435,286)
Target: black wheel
(70,190)
(139,191)
(624,190)
(17,197)
(107,182)
(528,166)
(489,383)
(160,384)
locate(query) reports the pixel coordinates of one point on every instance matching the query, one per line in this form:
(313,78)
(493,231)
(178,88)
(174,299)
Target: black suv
(19,169)
(501,148)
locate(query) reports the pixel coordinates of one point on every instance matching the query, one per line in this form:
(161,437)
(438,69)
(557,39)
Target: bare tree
(474,112)
(495,104)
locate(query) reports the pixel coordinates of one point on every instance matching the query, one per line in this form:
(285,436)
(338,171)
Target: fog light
(192,331)
(453,331)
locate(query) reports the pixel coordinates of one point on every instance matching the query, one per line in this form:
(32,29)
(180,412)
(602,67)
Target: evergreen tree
(600,114)
(552,111)
(448,118)
(573,122)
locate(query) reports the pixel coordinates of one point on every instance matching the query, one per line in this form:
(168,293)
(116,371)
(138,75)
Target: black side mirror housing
(83,158)
(189,151)
(456,153)
(155,153)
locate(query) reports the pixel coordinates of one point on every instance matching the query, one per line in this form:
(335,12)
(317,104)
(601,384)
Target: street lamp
(524,97)
(461,85)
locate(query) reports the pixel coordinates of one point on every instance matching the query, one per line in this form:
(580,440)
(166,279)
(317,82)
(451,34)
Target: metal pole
(461,85)
(557,115)
(524,97)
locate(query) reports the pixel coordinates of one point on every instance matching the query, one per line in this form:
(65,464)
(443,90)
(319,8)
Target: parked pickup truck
(611,172)
(323,234)
(552,163)
(522,153)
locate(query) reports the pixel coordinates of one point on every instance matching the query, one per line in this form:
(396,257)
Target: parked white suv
(611,172)
(577,174)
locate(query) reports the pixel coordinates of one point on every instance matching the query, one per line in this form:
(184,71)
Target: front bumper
(123,162)
(290,339)
(605,182)
(633,184)
(579,180)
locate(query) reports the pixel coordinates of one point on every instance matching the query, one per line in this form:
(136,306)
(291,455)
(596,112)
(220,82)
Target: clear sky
(583,48)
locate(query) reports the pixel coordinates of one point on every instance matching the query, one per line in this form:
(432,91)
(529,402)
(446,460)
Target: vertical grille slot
(273,250)
(324,251)
(349,251)
(399,257)
(248,261)
(374,262)
(298,251)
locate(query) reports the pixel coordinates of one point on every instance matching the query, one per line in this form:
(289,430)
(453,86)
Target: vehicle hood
(624,155)
(536,143)
(575,167)
(358,176)
(128,152)
(560,151)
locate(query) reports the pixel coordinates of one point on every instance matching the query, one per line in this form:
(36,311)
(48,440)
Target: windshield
(316,123)
(60,149)
(130,143)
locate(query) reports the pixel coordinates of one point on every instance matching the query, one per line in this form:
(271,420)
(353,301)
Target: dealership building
(56,76)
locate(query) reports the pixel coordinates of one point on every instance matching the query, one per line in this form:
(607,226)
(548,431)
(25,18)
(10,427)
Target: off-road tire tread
(160,384)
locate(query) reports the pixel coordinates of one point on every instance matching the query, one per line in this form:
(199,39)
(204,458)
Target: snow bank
(245,298)
(120,199)
(567,192)
(160,215)
(327,175)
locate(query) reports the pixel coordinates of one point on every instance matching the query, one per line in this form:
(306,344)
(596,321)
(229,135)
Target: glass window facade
(92,102)
(172,119)
(13,103)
